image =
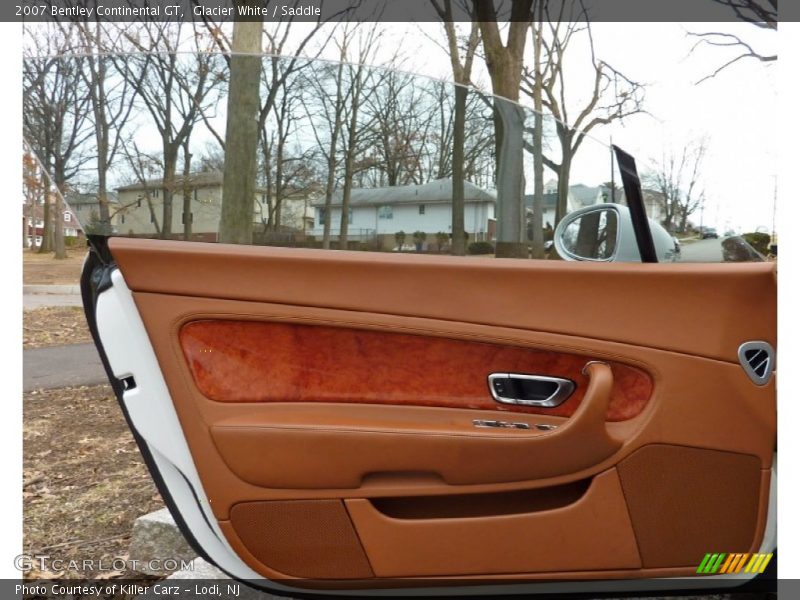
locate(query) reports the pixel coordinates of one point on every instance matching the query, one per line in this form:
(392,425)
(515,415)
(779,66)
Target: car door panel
(500,293)
(319,396)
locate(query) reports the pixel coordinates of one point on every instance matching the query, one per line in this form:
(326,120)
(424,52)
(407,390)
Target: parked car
(709,232)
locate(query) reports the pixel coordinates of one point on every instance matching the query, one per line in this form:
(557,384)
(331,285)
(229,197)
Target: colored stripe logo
(729,564)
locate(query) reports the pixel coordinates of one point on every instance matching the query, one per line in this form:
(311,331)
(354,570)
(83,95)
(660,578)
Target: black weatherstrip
(633,193)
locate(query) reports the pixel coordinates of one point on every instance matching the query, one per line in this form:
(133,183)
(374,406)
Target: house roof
(580,194)
(439,190)
(548,200)
(202,179)
(195,180)
(74,199)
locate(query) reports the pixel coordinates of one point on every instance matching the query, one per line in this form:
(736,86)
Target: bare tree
(675,178)
(762,14)
(359,78)
(34,188)
(612,95)
(285,167)
(462,76)
(111,102)
(54,122)
(537,213)
(329,109)
(241,137)
(176,90)
(246,71)
(143,167)
(505,64)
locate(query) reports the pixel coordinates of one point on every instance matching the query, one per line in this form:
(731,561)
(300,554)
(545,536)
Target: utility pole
(611,154)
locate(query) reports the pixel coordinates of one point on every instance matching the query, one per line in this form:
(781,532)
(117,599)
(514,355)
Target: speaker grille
(685,502)
(312,539)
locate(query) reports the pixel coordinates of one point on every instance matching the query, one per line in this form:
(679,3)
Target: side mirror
(605,233)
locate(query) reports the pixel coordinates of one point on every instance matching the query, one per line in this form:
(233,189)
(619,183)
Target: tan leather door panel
(557,540)
(328,387)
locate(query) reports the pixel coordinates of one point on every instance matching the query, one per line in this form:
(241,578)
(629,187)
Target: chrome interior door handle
(530,390)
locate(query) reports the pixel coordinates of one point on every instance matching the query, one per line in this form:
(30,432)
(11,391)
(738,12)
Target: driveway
(709,250)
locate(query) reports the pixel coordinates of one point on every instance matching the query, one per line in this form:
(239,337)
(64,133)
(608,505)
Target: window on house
(152,217)
(385,212)
(67,217)
(139,203)
(321,216)
(422,209)
(122,219)
(349,216)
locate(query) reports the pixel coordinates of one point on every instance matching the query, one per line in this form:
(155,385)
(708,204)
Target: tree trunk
(102,171)
(562,205)
(241,134)
(349,162)
(537,216)
(337,128)
(47,225)
(348,186)
(459,124)
(187,192)
(509,119)
(509,122)
(32,226)
(59,246)
(59,179)
(168,189)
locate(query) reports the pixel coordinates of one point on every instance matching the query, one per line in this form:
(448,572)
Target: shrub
(736,249)
(759,241)
(480,248)
(442,239)
(400,239)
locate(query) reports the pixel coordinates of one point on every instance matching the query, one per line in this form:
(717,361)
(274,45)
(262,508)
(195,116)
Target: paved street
(59,366)
(709,250)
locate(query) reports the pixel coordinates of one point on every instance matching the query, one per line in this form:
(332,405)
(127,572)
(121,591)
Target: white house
(382,212)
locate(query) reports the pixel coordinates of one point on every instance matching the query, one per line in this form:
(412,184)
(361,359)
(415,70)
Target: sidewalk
(35,296)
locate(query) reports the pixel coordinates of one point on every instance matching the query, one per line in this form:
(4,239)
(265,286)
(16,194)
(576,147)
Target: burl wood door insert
(254,361)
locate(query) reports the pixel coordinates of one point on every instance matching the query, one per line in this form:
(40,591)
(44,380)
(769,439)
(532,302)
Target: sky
(736,111)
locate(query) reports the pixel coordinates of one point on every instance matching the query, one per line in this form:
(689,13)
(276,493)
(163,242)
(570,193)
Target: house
(377,214)
(33,222)
(141,207)
(86,207)
(580,196)
(654,205)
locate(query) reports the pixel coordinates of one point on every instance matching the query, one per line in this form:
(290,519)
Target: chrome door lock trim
(564,388)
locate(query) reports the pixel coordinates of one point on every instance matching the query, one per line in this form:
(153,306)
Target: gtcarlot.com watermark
(44,563)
